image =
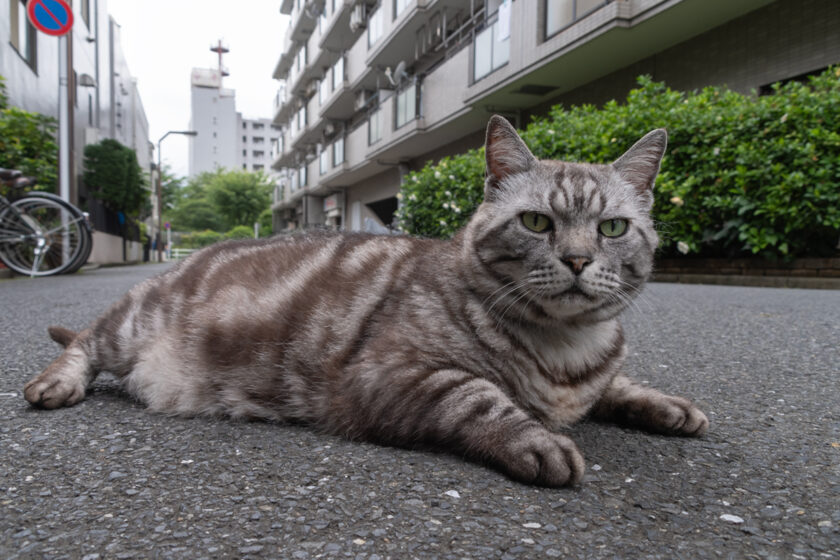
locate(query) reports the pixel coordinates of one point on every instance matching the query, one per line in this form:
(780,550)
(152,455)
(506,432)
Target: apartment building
(372,89)
(103,94)
(225,139)
(257,138)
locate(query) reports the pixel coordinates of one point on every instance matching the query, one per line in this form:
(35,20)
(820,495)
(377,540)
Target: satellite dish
(399,72)
(390,76)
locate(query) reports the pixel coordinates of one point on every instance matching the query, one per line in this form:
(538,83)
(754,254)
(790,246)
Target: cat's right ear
(506,154)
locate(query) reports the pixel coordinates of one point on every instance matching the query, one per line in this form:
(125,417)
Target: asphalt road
(106,479)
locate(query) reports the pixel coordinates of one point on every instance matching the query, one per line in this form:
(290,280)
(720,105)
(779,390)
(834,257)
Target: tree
(171,187)
(27,142)
(114,177)
(239,196)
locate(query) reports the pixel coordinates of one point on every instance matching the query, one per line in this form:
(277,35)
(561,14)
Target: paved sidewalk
(107,478)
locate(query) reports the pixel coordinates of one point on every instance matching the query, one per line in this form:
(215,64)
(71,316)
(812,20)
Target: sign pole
(63,123)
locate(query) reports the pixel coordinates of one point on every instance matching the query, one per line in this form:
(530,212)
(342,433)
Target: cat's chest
(563,374)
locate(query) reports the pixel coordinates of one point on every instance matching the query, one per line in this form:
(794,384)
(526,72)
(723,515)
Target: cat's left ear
(506,154)
(640,164)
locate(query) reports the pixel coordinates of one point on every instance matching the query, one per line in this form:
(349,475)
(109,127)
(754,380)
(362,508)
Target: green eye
(614,227)
(535,222)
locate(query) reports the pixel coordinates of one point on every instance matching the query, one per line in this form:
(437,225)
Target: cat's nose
(576,263)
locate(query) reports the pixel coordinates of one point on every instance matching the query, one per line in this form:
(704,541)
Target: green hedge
(742,174)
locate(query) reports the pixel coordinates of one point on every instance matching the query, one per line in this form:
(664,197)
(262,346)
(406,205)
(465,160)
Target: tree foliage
(240,196)
(742,175)
(28,142)
(220,201)
(113,176)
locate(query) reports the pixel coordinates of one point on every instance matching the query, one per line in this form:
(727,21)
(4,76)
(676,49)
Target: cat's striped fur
(488,344)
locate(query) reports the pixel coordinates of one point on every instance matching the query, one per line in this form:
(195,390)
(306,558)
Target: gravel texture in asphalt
(106,479)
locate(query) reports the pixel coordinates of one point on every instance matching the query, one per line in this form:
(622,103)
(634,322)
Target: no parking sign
(53,17)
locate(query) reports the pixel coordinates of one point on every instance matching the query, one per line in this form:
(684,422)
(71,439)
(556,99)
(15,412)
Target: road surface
(106,479)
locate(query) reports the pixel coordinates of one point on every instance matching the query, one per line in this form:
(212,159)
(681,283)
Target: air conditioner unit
(311,88)
(357,18)
(329,129)
(361,99)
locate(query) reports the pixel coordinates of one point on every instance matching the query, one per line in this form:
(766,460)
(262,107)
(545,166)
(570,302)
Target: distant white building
(213,117)
(225,138)
(257,138)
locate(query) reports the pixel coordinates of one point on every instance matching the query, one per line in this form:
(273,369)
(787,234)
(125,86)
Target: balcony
(337,35)
(303,23)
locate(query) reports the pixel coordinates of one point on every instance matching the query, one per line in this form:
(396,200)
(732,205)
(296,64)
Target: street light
(160,188)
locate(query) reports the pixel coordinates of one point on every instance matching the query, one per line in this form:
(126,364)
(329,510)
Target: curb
(753,281)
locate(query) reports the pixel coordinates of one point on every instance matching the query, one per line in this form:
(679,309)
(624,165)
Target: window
(244,125)
(302,176)
(84,10)
(376,27)
(375,127)
(324,89)
(406,105)
(258,139)
(338,73)
(338,152)
(299,120)
(257,126)
(244,139)
(259,153)
(23,37)
(324,161)
(300,59)
(492,45)
(244,153)
(399,6)
(559,14)
(258,167)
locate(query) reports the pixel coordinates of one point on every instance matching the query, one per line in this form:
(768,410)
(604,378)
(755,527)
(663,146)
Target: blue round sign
(53,17)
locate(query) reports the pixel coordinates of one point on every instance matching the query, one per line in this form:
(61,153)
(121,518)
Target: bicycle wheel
(40,235)
(86,232)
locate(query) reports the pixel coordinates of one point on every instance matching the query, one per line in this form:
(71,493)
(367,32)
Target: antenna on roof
(220,49)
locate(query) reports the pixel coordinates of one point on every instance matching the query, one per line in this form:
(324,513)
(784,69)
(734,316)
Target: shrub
(240,232)
(199,239)
(742,175)
(28,142)
(113,176)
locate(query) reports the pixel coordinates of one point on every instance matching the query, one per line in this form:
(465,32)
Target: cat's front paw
(544,458)
(674,416)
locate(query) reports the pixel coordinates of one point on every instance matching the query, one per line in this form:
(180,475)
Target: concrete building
(372,89)
(257,139)
(213,116)
(103,94)
(225,138)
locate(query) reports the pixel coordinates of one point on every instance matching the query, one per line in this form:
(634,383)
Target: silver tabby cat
(487,345)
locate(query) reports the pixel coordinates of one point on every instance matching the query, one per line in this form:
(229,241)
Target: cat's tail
(62,336)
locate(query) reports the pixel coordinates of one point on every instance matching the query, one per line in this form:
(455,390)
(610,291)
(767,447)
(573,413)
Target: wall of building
(214,118)
(774,43)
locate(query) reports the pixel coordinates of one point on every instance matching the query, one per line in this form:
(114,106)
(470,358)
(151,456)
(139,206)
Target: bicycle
(40,233)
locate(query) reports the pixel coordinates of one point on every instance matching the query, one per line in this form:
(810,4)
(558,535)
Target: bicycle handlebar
(15,179)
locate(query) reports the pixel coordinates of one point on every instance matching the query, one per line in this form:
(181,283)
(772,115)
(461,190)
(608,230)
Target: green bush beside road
(743,174)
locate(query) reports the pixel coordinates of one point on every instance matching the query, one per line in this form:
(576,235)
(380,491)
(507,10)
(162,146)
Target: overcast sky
(164,39)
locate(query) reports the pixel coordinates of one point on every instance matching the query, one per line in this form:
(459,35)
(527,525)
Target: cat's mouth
(573,292)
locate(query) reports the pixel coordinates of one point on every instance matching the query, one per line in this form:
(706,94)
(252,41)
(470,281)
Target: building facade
(225,139)
(372,89)
(104,98)
(257,138)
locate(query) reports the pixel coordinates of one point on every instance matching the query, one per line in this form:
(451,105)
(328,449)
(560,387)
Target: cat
(489,344)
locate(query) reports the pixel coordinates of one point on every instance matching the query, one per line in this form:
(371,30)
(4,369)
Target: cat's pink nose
(576,262)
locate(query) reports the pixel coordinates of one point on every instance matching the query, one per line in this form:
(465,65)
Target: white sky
(164,39)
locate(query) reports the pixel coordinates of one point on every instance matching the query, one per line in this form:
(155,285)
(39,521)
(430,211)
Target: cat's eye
(535,222)
(614,227)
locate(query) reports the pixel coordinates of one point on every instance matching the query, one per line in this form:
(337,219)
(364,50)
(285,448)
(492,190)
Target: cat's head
(555,240)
